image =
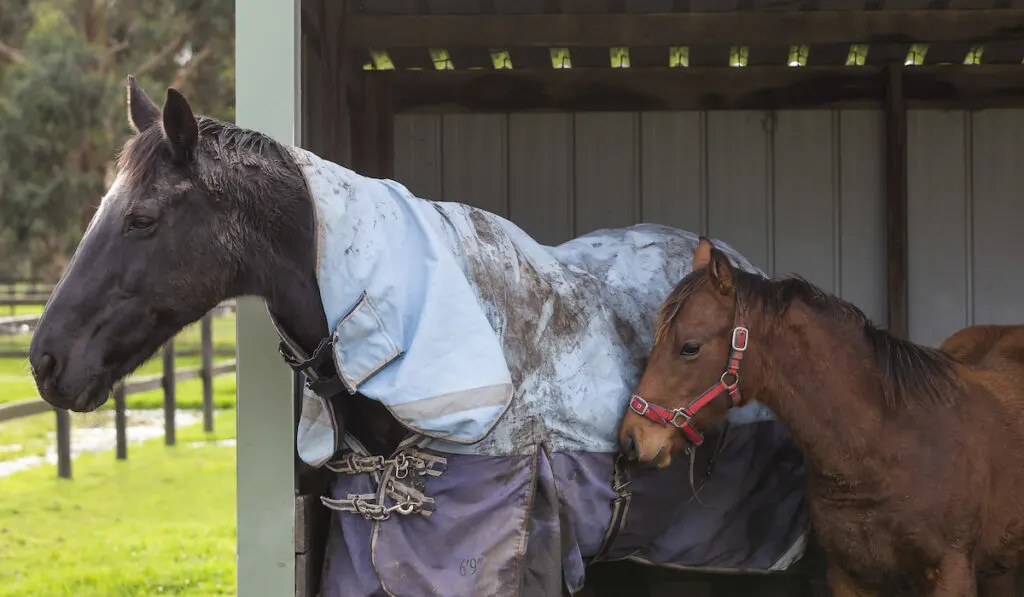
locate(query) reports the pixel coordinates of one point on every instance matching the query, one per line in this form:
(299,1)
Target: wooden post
(120,421)
(206,333)
(169,401)
(63,444)
(896,199)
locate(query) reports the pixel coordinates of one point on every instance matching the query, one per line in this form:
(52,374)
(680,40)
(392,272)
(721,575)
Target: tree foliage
(63,68)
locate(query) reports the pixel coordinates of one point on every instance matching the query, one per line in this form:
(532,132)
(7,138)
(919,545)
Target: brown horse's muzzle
(646,443)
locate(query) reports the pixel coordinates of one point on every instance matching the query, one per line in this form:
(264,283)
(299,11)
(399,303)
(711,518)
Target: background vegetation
(63,66)
(163,521)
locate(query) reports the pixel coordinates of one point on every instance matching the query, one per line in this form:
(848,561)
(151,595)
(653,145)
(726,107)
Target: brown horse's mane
(911,373)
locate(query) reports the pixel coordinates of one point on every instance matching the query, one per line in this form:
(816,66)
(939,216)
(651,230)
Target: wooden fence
(23,294)
(165,380)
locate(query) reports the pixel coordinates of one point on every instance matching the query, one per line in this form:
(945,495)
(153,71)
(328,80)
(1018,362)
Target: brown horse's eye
(690,349)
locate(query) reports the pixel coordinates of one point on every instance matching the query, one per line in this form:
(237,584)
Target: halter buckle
(740,336)
(634,400)
(680,413)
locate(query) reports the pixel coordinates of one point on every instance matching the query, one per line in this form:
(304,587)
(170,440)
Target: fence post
(206,333)
(120,421)
(168,384)
(63,444)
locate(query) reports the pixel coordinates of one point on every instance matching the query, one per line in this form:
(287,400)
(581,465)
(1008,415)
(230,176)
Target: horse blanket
(512,364)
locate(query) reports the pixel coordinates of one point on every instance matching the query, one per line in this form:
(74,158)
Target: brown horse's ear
(720,272)
(180,126)
(142,112)
(702,252)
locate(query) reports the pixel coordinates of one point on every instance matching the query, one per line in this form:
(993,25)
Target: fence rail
(166,380)
(14,325)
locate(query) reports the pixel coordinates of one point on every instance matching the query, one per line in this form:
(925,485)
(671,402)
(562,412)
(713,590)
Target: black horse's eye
(140,223)
(690,349)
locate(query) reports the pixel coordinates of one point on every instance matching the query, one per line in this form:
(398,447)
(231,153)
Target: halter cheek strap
(682,417)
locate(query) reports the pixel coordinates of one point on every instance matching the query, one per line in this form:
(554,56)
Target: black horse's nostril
(629,447)
(46,367)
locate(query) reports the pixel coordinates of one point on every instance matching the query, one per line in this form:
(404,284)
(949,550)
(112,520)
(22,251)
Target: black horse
(189,191)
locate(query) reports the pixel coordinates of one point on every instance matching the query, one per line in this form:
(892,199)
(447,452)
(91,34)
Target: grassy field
(160,523)
(8,310)
(17,384)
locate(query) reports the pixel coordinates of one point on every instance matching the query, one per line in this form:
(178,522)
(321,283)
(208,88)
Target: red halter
(681,417)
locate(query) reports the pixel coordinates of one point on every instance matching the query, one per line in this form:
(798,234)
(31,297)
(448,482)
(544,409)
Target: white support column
(267,98)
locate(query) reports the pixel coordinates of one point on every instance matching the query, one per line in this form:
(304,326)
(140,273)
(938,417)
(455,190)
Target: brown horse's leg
(841,584)
(1004,585)
(955,577)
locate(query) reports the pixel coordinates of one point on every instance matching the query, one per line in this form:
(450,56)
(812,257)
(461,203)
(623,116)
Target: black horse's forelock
(255,174)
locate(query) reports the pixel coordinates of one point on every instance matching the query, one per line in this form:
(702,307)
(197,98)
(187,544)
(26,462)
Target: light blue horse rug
(512,363)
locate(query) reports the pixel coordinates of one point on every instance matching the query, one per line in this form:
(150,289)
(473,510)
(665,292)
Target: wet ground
(96,433)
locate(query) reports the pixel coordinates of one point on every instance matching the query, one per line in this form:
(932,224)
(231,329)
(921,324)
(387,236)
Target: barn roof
(481,55)
(462,34)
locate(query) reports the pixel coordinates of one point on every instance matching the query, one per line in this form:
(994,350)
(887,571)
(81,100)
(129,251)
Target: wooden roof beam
(716,88)
(672,29)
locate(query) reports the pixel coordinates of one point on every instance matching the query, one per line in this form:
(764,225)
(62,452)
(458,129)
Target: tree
(63,68)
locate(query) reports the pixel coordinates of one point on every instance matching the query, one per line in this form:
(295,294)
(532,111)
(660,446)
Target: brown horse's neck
(819,377)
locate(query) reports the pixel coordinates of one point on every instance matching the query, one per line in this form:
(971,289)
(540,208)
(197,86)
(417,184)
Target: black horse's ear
(142,112)
(180,126)
(720,273)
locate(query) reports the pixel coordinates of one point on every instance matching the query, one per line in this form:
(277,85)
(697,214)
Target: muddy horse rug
(511,363)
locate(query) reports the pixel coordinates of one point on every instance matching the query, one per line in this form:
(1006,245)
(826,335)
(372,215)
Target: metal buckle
(740,335)
(736,378)
(680,413)
(636,398)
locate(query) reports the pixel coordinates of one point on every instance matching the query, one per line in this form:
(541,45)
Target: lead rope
(719,446)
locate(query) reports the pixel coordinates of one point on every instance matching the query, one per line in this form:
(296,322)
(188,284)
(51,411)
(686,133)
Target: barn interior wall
(965,175)
(794,191)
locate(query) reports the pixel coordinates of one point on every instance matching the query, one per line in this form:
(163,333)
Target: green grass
(160,523)
(10,311)
(17,384)
(32,436)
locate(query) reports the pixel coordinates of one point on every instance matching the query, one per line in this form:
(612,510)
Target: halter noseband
(682,417)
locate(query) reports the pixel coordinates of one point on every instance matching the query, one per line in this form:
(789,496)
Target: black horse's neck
(283,272)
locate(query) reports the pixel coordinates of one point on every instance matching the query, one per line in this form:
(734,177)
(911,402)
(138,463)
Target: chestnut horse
(915,468)
(997,348)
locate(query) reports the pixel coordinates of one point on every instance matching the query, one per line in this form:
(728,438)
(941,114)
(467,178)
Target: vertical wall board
(806,196)
(418,154)
(998,216)
(672,179)
(475,164)
(540,179)
(309,67)
(739,179)
(936,238)
(862,276)
(607,170)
